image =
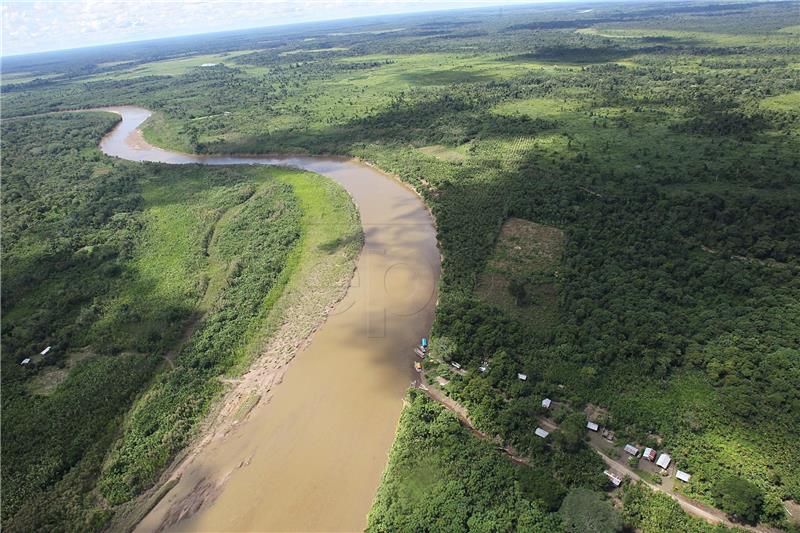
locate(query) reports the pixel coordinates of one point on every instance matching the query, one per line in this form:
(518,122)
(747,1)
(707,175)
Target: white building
(523,377)
(541,433)
(683,476)
(592,426)
(44,352)
(546,403)
(631,449)
(615,479)
(664,460)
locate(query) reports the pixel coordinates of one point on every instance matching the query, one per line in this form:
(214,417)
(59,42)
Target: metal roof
(664,460)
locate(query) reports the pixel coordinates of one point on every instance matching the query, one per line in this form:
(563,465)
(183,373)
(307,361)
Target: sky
(38,26)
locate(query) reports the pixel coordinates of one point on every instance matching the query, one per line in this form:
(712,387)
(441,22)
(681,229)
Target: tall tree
(587,511)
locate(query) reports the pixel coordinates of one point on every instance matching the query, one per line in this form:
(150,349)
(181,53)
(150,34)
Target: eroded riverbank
(311,458)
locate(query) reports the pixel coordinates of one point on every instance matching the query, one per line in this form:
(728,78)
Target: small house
(522,377)
(455,365)
(664,460)
(424,343)
(484,367)
(615,479)
(683,476)
(608,435)
(541,433)
(649,454)
(44,352)
(631,449)
(26,361)
(546,403)
(592,426)
(419,352)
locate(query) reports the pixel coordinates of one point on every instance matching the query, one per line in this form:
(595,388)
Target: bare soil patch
(48,380)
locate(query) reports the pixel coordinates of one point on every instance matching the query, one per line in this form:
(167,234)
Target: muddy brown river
(311,458)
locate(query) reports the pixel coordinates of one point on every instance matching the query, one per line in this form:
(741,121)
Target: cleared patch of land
(445,153)
(789,102)
(522,275)
(48,380)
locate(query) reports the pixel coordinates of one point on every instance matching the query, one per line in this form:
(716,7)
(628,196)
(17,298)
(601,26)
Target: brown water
(311,459)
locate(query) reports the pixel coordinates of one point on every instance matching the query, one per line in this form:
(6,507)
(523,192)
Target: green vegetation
(522,274)
(150,282)
(655,512)
(254,246)
(440,478)
(652,151)
(739,498)
(587,511)
(571,433)
(539,486)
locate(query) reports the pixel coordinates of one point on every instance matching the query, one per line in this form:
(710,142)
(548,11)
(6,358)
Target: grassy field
(701,38)
(170,67)
(783,102)
(445,153)
(23,77)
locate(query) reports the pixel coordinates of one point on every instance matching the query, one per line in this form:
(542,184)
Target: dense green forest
(662,140)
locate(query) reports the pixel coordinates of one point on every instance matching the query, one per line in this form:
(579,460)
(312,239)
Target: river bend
(311,458)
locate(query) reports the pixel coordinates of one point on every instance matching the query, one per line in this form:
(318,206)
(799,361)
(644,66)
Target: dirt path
(707,513)
(704,512)
(461,412)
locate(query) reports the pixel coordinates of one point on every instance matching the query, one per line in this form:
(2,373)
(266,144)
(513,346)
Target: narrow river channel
(311,458)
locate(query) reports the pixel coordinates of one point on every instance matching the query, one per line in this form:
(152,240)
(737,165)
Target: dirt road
(693,508)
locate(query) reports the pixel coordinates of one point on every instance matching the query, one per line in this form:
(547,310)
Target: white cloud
(32,26)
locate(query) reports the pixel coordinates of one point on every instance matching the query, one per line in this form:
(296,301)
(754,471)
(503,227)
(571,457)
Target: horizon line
(510,4)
